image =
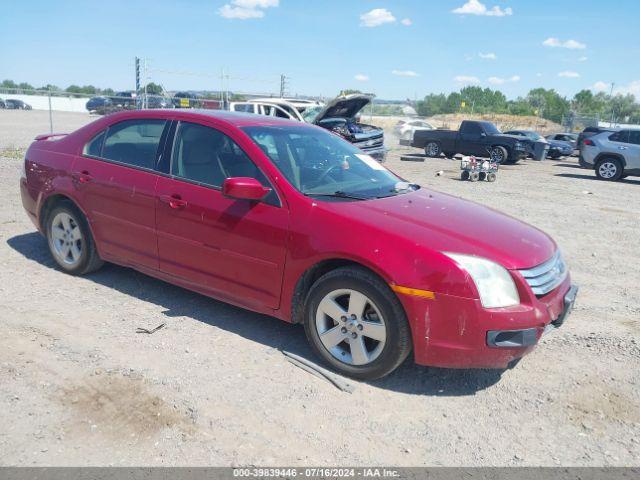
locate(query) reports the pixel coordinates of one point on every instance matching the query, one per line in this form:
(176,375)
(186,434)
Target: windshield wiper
(336,194)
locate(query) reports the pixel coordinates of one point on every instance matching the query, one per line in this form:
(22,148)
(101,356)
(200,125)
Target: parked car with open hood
(338,115)
(289,220)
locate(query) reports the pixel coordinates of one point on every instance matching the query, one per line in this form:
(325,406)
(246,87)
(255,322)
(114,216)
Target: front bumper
(454,332)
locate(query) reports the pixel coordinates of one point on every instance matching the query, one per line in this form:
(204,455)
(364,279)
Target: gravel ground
(78,386)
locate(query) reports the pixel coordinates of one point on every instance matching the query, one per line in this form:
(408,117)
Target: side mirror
(244,188)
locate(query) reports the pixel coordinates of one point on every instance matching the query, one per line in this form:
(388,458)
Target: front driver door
(231,249)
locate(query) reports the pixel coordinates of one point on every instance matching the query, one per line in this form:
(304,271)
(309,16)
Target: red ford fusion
(289,220)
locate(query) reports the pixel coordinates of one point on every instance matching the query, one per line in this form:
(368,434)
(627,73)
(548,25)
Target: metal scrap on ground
(307,365)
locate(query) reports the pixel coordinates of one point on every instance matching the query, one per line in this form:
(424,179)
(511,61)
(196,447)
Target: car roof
(237,119)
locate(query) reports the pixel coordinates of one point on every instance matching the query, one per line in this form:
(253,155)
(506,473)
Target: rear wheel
(432,149)
(474,176)
(70,241)
(491,177)
(464,175)
(356,324)
(609,169)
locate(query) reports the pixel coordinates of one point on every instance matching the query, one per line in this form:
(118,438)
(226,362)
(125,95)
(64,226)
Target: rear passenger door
(115,178)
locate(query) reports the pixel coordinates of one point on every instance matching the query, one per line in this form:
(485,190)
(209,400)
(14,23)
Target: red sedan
(289,220)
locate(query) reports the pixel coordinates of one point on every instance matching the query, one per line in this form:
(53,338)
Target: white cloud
(632,88)
(245,9)
(569,74)
(557,43)
(406,22)
(583,59)
(376,17)
(600,86)
(362,77)
(502,81)
(538,74)
(405,73)
(475,7)
(466,79)
(488,56)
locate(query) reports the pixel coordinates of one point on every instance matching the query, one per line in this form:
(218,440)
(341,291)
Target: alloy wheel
(608,170)
(350,327)
(66,239)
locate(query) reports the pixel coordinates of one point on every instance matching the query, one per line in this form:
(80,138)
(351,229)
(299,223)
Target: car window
(207,156)
(634,137)
(317,162)
(472,128)
(622,136)
(134,142)
(94,147)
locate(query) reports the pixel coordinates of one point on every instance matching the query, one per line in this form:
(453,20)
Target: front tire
(609,169)
(499,155)
(70,241)
(356,324)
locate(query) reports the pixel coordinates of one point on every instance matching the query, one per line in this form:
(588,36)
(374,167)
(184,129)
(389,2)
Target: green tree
(432,105)
(154,89)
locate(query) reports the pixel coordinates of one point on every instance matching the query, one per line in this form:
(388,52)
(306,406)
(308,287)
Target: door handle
(622,148)
(82,177)
(174,201)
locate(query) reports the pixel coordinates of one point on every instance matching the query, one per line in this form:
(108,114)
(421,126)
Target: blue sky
(395,49)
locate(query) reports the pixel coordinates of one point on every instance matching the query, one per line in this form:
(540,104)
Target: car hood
(515,137)
(445,223)
(346,106)
(559,144)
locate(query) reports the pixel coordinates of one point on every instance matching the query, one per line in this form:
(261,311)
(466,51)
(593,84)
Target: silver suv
(613,155)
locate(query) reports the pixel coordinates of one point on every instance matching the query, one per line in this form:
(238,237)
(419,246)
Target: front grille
(546,276)
(369,143)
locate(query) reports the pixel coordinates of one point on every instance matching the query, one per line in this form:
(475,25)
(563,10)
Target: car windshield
(533,136)
(319,163)
(310,114)
(490,128)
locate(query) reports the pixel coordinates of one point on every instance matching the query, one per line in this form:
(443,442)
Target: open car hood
(346,107)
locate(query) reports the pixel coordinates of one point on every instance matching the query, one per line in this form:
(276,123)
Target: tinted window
(94,147)
(205,155)
(634,137)
(134,142)
(621,136)
(472,128)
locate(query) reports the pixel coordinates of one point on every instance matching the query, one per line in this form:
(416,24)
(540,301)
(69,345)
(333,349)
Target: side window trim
(158,154)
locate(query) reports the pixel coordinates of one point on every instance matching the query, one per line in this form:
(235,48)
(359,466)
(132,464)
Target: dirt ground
(78,386)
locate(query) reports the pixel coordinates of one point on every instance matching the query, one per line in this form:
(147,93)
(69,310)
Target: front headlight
(495,285)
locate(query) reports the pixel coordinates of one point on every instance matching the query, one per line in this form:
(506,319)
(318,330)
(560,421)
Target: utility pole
(612,108)
(146,82)
(283,85)
(137,75)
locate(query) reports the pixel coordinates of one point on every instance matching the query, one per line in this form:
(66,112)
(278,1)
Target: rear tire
(609,169)
(474,176)
(491,177)
(70,241)
(356,324)
(464,175)
(432,149)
